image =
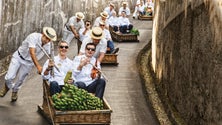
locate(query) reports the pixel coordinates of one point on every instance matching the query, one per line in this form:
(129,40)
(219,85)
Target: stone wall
(187,62)
(18,18)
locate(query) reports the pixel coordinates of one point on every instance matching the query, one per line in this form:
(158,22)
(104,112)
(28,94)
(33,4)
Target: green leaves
(135,31)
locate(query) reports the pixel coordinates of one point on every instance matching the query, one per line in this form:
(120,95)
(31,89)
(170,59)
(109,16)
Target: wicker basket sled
(119,37)
(145,17)
(110,59)
(58,117)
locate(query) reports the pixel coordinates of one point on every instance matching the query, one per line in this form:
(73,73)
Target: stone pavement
(123,91)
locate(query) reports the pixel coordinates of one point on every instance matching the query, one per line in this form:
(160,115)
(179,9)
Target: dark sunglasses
(91,49)
(102,25)
(61,47)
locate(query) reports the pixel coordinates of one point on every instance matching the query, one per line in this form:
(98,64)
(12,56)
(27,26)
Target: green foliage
(135,31)
(73,98)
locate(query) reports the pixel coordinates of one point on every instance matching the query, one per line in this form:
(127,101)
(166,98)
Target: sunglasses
(102,25)
(91,49)
(61,47)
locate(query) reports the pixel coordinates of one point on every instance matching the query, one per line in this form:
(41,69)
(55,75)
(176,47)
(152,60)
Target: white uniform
(21,62)
(67,33)
(82,36)
(107,34)
(150,4)
(63,65)
(113,21)
(85,74)
(136,8)
(99,19)
(107,9)
(124,21)
(127,10)
(100,48)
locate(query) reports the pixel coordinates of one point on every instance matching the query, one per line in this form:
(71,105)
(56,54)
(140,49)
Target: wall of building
(18,18)
(187,61)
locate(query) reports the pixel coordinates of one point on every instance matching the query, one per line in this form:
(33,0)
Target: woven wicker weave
(110,59)
(140,17)
(73,117)
(119,37)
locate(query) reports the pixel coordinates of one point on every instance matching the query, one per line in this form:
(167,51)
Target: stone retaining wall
(187,60)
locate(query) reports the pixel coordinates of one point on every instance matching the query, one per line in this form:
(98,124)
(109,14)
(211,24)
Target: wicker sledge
(145,17)
(119,37)
(57,117)
(110,59)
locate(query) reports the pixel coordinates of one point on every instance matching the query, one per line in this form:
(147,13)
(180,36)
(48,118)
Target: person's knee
(53,84)
(102,82)
(81,85)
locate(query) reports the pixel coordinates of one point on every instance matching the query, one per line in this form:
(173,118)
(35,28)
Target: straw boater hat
(111,4)
(80,15)
(50,33)
(96,33)
(104,14)
(124,3)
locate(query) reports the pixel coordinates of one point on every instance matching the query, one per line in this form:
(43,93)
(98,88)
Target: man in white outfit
(96,37)
(103,17)
(125,25)
(64,64)
(71,29)
(124,8)
(25,58)
(138,8)
(110,9)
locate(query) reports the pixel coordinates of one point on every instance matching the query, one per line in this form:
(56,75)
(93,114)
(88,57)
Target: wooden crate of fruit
(119,37)
(63,116)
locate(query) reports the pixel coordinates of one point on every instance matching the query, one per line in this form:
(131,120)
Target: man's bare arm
(35,60)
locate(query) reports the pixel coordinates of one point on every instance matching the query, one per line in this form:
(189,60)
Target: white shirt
(85,74)
(137,2)
(100,48)
(107,34)
(98,19)
(150,4)
(127,10)
(63,65)
(124,21)
(73,22)
(82,36)
(33,41)
(107,9)
(113,21)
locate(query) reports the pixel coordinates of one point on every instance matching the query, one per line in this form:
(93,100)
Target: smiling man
(84,74)
(96,37)
(64,65)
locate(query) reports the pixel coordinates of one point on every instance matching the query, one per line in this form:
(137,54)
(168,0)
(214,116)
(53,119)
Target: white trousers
(19,69)
(135,11)
(67,35)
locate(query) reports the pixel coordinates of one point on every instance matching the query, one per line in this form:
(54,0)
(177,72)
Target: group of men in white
(142,8)
(95,42)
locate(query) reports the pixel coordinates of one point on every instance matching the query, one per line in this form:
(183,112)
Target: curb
(148,80)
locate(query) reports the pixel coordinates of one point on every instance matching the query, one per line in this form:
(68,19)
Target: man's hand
(70,81)
(76,36)
(51,64)
(83,62)
(39,68)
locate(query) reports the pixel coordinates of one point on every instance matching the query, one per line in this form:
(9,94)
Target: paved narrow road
(123,90)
